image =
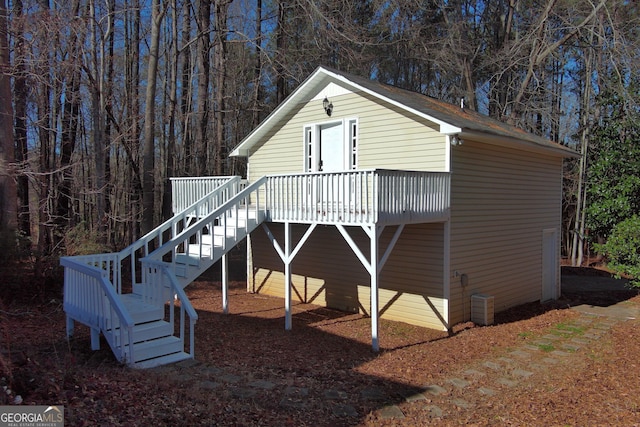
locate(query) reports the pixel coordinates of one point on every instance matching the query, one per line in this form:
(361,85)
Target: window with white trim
(353,144)
(308,148)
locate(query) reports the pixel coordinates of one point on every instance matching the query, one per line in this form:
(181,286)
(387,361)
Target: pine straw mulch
(326,352)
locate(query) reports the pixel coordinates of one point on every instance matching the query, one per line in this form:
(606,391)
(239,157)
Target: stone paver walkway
(461,391)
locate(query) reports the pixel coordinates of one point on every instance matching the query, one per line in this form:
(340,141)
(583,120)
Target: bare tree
(203,20)
(69,128)
(220,61)
(20,95)
(542,45)
(148,177)
(8,192)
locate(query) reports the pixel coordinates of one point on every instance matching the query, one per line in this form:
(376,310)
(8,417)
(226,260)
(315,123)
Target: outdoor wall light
(455,140)
(328,106)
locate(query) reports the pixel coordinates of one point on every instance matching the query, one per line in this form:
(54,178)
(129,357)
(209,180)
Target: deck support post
(225,284)
(373,265)
(375,275)
(70,326)
(287,276)
(446,276)
(95,339)
(287,257)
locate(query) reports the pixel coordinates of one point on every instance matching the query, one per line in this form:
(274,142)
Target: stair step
(163,360)
(155,348)
(140,311)
(217,239)
(145,331)
(191,259)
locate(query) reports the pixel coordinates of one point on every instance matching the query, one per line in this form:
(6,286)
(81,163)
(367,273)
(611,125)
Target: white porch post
(225,284)
(287,276)
(287,257)
(373,265)
(375,274)
(446,273)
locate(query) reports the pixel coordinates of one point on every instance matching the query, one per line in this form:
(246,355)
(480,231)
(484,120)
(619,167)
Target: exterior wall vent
(482,309)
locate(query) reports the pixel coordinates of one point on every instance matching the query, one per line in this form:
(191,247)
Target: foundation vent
(482,309)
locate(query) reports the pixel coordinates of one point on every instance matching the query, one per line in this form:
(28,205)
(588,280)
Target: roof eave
(490,138)
(243,149)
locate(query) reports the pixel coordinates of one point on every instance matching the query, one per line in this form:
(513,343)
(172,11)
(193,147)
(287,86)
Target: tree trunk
(68,132)
(203,19)
(281,52)
(132,83)
(46,139)
(577,247)
(257,86)
(220,59)
(20,95)
(185,96)
(107,105)
(8,191)
(148,168)
(170,163)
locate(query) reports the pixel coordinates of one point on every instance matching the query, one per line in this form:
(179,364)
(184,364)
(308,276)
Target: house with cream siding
(497,234)
(361,197)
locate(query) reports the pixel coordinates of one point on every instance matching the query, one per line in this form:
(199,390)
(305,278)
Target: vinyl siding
(388,138)
(502,198)
(327,272)
(501,201)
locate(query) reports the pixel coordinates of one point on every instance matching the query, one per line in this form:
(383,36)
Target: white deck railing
(129,258)
(357,197)
(90,299)
(240,213)
(412,197)
(185,191)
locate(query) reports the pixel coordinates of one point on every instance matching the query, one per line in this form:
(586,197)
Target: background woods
(104,100)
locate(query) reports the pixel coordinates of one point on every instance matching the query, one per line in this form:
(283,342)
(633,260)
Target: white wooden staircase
(141,326)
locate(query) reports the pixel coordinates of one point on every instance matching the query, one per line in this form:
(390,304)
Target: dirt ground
(327,357)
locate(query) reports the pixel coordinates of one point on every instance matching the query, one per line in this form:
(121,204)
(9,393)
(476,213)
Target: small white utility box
(482,309)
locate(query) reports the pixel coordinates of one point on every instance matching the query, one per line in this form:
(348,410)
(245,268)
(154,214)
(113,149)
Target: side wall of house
(502,200)
(327,272)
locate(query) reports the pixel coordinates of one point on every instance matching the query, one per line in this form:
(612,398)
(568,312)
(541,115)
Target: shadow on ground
(590,286)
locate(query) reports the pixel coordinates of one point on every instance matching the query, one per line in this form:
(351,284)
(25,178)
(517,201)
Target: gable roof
(452,120)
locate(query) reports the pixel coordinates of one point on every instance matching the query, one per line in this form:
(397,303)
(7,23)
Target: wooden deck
(214,215)
(362,197)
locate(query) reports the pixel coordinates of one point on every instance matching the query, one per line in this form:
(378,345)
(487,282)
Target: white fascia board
(445,128)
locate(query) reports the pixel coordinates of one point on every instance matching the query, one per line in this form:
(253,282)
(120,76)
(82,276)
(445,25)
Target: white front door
(331,148)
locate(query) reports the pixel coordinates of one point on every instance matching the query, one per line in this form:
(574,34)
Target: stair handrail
(180,295)
(233,202)
(153,293)
(87,312)
(112,262)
